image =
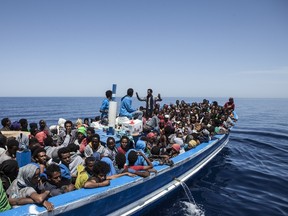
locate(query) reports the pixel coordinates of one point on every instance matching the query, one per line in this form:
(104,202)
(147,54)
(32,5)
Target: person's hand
(48,205)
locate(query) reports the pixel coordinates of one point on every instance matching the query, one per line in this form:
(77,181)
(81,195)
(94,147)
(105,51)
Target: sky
(185,48)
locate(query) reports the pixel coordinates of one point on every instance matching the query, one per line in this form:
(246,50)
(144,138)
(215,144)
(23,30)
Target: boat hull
(127,195)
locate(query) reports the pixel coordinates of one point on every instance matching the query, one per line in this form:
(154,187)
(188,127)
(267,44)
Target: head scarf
(26,174)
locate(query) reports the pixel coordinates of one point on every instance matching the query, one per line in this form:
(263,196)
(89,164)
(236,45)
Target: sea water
(248,177)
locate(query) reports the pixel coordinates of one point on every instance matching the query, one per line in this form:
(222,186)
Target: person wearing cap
(126,109)
(81,140)
(150,102)
(175,150)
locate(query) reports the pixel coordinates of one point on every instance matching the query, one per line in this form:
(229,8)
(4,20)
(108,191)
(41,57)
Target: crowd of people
(71,155)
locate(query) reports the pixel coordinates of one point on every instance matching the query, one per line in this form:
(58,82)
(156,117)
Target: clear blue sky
(204,48)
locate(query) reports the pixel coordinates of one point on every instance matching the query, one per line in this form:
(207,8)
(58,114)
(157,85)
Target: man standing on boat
(150,102)
(126,109)
(105,107)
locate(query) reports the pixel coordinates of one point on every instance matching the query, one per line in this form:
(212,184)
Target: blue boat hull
(127,195)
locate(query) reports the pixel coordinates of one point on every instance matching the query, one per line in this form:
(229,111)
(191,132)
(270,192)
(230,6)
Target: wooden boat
(131,195)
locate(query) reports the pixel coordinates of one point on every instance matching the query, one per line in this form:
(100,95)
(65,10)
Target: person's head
(6,122)
(95,140)
(86,121)
(73,147)
(175,149)
(68,126)
(12,146)
(90,132)
(124,141)
(130,92)
(64,155)
(89,164)
(155,150)
(231,100)
(10,168)
(82,133)
(24,124)
(39,155)
(132,157)
(54,174)
(120,160)
(48,141)
(108,94)
(29,175)
(110,143)
(149,91)
(42,124)
(100,170)
(15,126)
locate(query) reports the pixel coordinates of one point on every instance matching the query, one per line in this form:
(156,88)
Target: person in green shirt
(4,203)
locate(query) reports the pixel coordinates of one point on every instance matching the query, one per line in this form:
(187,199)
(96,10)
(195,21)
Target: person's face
(41,158)
(80,136)
(90,165)
(111,144)
(12,151)
(102,176)
(8,124)
(68,127)
(66,158)
(95,142)
(124,143)
(35,178)
(42,124)
(55,178)
(89,133)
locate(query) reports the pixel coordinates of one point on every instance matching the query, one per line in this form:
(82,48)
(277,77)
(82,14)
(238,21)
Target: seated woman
(23,189)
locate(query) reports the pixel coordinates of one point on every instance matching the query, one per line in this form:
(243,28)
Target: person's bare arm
(93,184)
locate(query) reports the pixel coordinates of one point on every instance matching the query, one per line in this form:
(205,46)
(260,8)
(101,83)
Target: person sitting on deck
(24,189)
(84,172)
(126,109)
(53,182)
(10,153)
(111,150)
(65,160)
(133,162)
(124,145)
(94,146)
(68,136)
(120,161)
(8,172)
(6,123)
(100,171)
(39,157)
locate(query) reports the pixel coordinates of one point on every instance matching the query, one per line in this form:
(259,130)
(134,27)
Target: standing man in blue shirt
(105,107)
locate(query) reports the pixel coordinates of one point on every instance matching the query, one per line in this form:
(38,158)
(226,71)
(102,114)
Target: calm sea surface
(248,177)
